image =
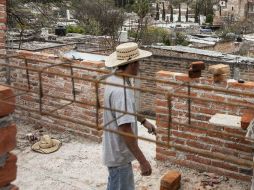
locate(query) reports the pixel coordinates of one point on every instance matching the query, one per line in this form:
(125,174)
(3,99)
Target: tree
(31,14)
(102,14)
(188,2)
(141,8)
(157,12)
(163,12)
(178,3)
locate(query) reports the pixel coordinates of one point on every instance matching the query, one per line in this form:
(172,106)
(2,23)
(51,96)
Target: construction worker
(120,150)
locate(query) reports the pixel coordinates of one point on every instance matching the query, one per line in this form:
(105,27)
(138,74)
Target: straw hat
(126,53)
(46,145)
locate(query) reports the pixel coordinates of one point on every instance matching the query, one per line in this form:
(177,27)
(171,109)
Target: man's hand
(146,168)
(151,128)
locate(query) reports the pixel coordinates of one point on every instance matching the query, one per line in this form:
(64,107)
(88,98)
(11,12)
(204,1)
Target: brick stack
(8,167)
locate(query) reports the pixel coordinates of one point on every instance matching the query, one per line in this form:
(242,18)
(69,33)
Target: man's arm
(132,144)
(151,128)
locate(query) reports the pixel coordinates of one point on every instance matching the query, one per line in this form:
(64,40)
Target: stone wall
(212,138)
(54,50)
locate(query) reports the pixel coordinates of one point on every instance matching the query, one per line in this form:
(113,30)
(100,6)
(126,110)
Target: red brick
(198,159)
(183,135)
(198,145)
(9,171)
(182,77)
(244,86)
(171,181)
(3,2)
(225,165)
(161,157)
(197,66)
(7,138)
(6,109)
(165,151)
(240,147)
(246,119)
(194,74)
(2,20)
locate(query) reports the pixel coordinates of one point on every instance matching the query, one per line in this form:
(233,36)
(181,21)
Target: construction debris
(211,179)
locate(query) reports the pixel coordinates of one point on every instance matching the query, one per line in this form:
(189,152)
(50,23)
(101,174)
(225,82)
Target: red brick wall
(201,112)
(179,62)
(2,34)
(61,87)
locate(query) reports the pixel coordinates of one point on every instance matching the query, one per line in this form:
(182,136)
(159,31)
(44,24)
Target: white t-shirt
(115,151)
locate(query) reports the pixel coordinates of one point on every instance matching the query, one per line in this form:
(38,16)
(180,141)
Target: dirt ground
(77,165)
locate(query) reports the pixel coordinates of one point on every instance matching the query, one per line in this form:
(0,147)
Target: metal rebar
(61,107)
(97,104)
(189,104)
(141,78)
(142,115)
(73,84)
(8,71)
(40,91)
(169,117)
(205,153)
(15,95)
(27,75)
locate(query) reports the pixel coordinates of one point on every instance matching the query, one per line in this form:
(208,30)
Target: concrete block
(219,69)
(194,74)
(7,138)
(197,66)
(6,109)
(8,173)
(171,181)
(247,117)
(225,120)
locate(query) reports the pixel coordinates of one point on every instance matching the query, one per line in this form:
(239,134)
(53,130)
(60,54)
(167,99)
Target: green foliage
(91,28)
(209,19)
(181,39)
(153,35)
(141,8)
(75,29)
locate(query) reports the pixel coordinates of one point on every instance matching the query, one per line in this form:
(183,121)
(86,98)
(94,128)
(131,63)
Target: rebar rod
(27,75)
(137,114)
(169,117)
(61,107)
(205,153)
(189,104)
(203,87)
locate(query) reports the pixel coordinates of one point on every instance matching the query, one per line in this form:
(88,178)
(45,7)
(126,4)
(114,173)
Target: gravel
(77,165)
